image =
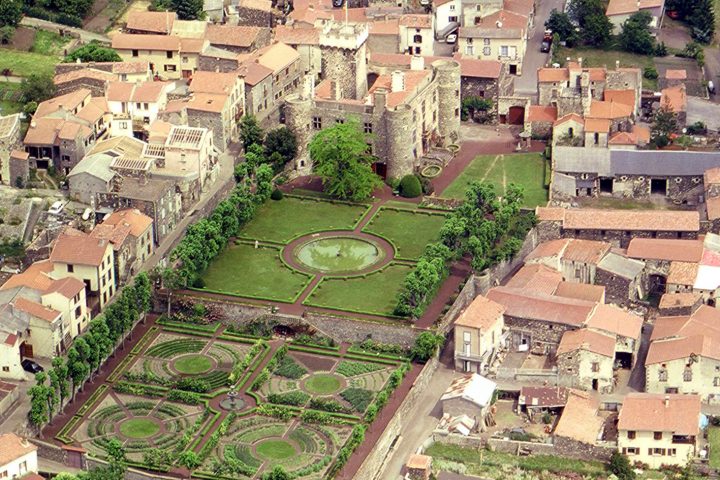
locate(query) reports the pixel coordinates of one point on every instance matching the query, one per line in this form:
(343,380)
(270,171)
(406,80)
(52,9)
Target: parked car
(545,46)
(338,3)
(673,14)
(451,38)
(56,208)
(711,87)
(30,366)
(424,3)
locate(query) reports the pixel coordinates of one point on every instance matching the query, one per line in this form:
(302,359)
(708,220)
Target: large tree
(635,36)
(250,131)
(341,159)
(37,88)
(702,21)
(595,27)
(10,13)
(560,23)
(93,52)
(282,141)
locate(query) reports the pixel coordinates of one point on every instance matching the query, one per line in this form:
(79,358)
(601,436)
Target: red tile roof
(536,306)
(665,249)
(82,249)
(481,313)
(539,113)
(589,340)
(649,412)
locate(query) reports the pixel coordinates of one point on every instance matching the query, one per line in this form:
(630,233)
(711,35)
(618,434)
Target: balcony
(683,440)
(509,58)
(460,355)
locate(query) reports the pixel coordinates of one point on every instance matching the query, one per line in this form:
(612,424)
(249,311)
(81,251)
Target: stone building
(588,357)
(306,40)
(407,113)
(499,36)
(679,304)
(254,13)
(469,395)
(170,57)
(343,50)
(575,259)
(9,145)
(238,38)
(131,234)
(616,226)
(478,335)
(152,23)
(94,76)
(623,278)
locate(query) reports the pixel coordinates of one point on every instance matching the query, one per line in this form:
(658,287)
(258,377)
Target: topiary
(410,186)
(276,194)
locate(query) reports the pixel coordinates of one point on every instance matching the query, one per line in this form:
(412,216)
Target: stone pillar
(448,78)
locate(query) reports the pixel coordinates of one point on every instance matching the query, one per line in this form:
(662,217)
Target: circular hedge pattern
(139,428)
(323,384)
(192,364)
(275,449)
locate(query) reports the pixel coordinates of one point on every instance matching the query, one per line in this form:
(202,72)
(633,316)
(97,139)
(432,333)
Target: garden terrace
(302,407)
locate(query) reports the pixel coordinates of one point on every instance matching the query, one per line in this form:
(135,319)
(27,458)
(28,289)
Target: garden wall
(374,463)
(131,473)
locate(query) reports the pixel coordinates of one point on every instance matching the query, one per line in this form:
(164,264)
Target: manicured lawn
(275,449)
(409,231)
(376,293)
(322,384)
(598,58)
(281,221)
(526,169)
(193,364)
(501,465)
(24,63)
(48,43)
(249,272)
(139,428)
(714,441)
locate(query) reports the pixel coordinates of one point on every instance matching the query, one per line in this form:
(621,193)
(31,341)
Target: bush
(547,418)
(410,186)
(426,344)
(276,194)
(359,398)
(296,398)
(650,73)
(328,405)
(697,128)
(190,398)
(193,385)
(199,282)
(620,467)
(288,368)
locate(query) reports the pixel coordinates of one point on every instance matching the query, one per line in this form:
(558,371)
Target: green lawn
(376,293)
(275,449)
(48,43)
(139,428)
(526,169)
(24,63)
(409,231)
(281,221)
(501,465)
(714,441)
(322,384)
(193,364)
(256,273)
(593,57)
(9,93)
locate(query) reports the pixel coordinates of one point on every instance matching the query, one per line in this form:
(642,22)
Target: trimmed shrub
(276,194)
(410,186)
(296,398)
(359,398)
(288,368)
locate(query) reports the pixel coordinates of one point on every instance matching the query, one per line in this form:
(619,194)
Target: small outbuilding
(471,395)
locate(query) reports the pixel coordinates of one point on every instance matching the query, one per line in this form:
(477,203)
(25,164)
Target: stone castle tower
(343,49)
(298,115)
(448,77)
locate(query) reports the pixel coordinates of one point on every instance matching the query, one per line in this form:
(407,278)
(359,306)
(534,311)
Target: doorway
(658,186)
(595,384)
(513,70)
(606,185)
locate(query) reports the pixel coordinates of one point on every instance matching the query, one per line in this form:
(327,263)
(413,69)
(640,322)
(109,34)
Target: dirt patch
(313,362)
(23,39)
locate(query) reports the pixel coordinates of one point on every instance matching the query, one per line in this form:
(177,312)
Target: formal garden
(222,402)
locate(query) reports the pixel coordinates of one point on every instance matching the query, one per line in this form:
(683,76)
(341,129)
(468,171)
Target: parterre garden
(303,407)
(267,253)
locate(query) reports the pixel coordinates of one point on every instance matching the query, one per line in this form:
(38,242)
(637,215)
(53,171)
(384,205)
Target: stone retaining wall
(374,463)
(49,451)
(512,447)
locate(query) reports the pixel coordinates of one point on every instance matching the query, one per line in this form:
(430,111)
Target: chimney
(397,81)
(667,401)
(33,124)
(498,24)
(580,61)
(380,98)
(335,92)
(417,63)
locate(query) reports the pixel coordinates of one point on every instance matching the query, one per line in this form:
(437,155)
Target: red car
(673,14)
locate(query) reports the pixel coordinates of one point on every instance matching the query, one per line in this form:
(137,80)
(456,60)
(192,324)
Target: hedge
(149,335)
(90,402)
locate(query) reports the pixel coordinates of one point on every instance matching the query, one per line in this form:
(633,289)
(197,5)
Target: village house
(618,11)
(575,259)
(12,337)
(170,57)
(684,355)
(711,181)
(675,100)
(131,235)
(500,36)
(588,356)
(659,429)
(306,40)
(616,226)
(135,106)
(91,260)
(95,76)
(624,278)
(18,457)
(417,34)
(579,426)
(678,304)
(64,128)
(471,395)
(238,38)
(478,335)
(150,23)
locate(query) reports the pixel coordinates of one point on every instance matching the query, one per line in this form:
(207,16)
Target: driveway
(701,110)
(526,84)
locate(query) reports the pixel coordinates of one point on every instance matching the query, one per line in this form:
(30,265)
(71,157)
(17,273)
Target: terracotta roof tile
(671,74)
(540,113)
(546,75)
(13,447)
(155,22)
(413,79)
(675,98)
(574,117)
(625,97)
(581,291)
(589,340)
(623,7)
(92,73)
(609,110)
(712,176)
(277,56)
(665,249)
(472,67)
(550,214)
(536,277)
(649,412)
(78,249)
(612,319)
(579,420)
(419,462)
(683,299)
(126,41)
(297,36)
(68,102)
(536,306)
(599,125)
(213,82)
(713,208)
(119,91)
(543,396)
(134,218)
(232,35)
(682,273)
(389,26)
(481,313)
(572,249)
(36,310)
(253,73)
(416,21)
(635,220)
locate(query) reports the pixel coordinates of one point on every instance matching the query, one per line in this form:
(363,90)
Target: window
(486,51)
(169,54)
(656,451)
(657,435)
(452,7)
(70,268)
(716,382)
(134,53)
(417,39)
(170,68)
(138,105)
(6,369)
(146,106)
(78,311)
(452,19)
(466,337)
(486,41)
(469,50)
(631,434)
(595,366)
(367,127)
(339,120)
(631,451)
(672,452)
(597,139)
(457,112)
(185,60)
(662,375)
(469,41)
(317,123)
(687,375)
(504,51)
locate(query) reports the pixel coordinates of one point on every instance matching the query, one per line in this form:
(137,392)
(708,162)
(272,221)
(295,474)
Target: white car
(56,208)
(451,38)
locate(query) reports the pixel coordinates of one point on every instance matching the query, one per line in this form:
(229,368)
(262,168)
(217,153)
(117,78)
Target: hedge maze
(303,407)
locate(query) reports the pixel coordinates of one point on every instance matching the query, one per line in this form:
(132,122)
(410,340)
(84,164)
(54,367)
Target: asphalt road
(526,84)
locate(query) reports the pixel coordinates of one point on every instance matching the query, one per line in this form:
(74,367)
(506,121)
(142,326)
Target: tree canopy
(93,52)
(281,141)
(341,159)
(37,88)
(702,21)
(595,27)
(10,13)
(185,9)
(560,23)
(635,36)
(250,131)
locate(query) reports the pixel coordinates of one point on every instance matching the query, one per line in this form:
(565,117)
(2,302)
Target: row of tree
(487,228)
(84,358)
